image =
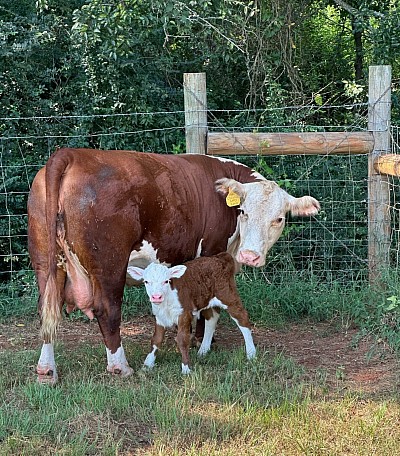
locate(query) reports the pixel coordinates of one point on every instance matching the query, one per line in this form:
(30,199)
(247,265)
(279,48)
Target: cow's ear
(135,272)
(225,185)
(177,271)
(304,206)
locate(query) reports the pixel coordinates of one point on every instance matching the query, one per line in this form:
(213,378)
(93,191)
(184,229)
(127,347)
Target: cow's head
(262,206)
(156,278)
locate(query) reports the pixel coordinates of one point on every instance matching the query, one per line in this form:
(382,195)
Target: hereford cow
(91,212)
(178,293)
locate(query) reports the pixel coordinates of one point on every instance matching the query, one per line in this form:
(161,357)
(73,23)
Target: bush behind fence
(333,246)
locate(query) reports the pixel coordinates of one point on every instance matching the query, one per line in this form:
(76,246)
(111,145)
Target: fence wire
(332,246)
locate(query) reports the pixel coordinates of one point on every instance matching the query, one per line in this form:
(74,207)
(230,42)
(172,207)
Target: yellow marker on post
(232,199)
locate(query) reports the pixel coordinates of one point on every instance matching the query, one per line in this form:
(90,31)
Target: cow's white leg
(150,358)
(185,369)
(248,340)
(117,363)
(209,329)
(46,367)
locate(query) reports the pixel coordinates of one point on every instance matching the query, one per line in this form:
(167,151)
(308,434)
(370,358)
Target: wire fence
(333,246)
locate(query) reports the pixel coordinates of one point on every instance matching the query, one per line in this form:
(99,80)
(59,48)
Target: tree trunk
(358,62)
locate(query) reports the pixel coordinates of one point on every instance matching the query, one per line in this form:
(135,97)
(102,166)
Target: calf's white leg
(151,358)
(156,341)
(46,367)
(248,340)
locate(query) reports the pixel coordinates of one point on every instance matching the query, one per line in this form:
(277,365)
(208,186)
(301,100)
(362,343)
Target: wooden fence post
(379,105)
(195,97)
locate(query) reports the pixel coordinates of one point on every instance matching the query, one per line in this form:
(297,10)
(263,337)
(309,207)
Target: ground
(340,357)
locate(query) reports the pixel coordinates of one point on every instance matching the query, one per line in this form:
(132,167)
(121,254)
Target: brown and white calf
(204,285)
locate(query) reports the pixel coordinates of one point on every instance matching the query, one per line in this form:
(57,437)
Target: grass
(226,406)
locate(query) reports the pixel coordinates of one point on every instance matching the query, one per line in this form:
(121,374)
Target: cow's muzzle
(250,258)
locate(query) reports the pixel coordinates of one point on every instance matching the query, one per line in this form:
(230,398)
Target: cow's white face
(263,207)
(156,278)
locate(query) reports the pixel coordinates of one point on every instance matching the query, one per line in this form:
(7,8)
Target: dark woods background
(109,74)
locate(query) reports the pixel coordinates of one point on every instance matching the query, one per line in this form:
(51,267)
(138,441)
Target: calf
(178,293)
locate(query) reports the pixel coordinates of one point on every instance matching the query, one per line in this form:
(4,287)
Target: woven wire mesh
(332,246)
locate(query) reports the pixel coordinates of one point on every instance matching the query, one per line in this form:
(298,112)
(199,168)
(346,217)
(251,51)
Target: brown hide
(98,206)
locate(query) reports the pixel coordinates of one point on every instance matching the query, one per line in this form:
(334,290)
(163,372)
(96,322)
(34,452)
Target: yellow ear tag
(232,199)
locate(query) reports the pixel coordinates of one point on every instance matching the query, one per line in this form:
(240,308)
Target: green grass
(295,296)
(226,406)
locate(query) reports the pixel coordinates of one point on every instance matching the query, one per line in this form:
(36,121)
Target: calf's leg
(183,340)
(240,316)
(156,342)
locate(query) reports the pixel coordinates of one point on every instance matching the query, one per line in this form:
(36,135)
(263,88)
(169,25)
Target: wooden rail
(315,143)
(375,142)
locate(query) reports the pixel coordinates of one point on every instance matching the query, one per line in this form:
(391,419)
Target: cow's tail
(52,299)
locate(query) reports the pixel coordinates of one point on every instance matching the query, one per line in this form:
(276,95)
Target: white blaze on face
(263,207)
(261,221)
(156,278)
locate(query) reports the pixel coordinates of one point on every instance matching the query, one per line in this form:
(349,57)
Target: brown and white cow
(91,212)
(178,293)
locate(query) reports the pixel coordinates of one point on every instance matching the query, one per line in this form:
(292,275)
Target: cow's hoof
(121,371)
(46,376)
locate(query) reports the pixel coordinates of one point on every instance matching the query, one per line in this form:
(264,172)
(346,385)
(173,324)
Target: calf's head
(156,278)
(262,206)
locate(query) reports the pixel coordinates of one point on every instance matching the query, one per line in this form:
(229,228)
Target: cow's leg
(240,316)
(183,340)
(211,319)
(156,342)
(109,323)
(46,367)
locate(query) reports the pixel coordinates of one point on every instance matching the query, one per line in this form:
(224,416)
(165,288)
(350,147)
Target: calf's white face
(263,207)
(156,278)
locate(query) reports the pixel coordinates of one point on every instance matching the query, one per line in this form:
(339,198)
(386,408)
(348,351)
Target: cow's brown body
(91,211)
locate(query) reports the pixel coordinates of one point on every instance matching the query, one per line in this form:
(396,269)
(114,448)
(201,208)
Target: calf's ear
(177,271)
(135,272)
(304,206)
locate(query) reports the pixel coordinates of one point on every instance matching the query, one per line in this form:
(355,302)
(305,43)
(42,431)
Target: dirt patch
(337,357)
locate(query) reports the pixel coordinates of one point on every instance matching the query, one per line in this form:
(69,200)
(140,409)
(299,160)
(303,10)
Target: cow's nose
(250,258)
(156,298)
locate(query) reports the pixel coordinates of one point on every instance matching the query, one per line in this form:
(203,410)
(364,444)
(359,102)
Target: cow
(93,212)
(178,293)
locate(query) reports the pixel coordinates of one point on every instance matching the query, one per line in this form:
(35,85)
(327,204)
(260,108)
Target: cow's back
(112,204)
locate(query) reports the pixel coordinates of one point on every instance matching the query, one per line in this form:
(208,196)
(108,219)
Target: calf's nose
(156,298)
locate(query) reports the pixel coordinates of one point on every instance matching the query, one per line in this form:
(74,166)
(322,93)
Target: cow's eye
(279,220)
(145,282)
(167,282)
